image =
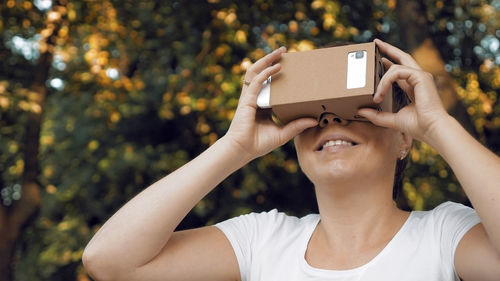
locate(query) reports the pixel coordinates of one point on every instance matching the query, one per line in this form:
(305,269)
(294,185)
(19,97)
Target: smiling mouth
(336,143)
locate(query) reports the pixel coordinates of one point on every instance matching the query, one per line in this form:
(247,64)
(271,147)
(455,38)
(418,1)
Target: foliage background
(134,89)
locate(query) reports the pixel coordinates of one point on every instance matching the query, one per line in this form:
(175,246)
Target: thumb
(296,127)
(379,118)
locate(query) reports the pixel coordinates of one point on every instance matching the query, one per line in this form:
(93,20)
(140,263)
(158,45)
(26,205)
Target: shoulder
(447,212)
(258,238)
(448,218)
(260,228)
(430,238)
(444,226)
(451,207)
(271,221)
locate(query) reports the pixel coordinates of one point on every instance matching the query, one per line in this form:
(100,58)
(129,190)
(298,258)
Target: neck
(360,213)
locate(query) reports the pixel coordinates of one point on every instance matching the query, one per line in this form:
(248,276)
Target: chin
(333,173)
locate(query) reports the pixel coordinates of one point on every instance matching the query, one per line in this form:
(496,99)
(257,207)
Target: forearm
(141,228)
(477,169)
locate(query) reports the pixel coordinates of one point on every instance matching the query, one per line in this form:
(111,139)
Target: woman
(360,234)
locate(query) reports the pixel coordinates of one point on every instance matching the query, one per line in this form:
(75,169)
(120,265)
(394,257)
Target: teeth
(337,142)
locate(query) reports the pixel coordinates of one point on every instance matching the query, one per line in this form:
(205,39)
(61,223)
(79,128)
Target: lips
(335,141)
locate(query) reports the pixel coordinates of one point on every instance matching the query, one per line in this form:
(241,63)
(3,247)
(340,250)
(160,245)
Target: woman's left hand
(421,118)
(476,168)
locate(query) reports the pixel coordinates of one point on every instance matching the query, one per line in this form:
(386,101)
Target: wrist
(234,151)
(434,127)
(439,133)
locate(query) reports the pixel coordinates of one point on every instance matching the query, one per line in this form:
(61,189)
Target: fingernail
(360,112)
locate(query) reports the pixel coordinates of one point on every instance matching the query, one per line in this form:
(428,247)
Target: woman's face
(339,152)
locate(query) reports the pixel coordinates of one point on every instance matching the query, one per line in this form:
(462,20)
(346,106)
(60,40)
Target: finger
(296,127)
(396,54)
(264,62)
(387,63)
(379,118)
(384,86)
(250,94)
(395,73)
(402,84)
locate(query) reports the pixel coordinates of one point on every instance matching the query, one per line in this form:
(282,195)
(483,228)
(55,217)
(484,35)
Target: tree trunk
(14,218)
(415,38)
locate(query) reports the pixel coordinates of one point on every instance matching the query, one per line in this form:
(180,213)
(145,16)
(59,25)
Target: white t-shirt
(271,246)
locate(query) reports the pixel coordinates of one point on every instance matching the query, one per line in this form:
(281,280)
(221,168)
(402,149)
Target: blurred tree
(137,88)
(417,39)
(14,215)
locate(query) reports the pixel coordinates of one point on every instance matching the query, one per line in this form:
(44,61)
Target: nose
(328,118)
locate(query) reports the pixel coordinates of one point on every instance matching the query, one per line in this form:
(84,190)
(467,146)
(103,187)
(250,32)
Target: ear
(406,143)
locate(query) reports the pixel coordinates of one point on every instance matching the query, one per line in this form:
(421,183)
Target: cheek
(386,148)
(299,149)
(381,142)
(303,143)
(297,144)
(302,148)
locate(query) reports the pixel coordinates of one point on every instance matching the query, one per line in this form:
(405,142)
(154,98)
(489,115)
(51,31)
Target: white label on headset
(356,69)
(264,97)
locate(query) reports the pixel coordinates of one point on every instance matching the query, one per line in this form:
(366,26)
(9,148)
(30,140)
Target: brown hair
(399,100)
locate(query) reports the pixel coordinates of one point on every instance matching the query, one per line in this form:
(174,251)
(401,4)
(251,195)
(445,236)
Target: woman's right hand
(159,253)
(252,130)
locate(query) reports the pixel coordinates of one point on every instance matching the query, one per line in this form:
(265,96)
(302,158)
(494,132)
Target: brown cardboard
(313,82)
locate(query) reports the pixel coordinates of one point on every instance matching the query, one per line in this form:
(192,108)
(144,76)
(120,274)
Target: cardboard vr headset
(337,80)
